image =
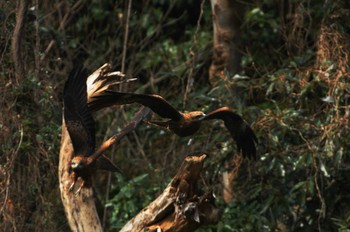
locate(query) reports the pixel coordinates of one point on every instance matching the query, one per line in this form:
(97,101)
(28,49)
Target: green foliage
(131,196)
(293,90)
(302,122)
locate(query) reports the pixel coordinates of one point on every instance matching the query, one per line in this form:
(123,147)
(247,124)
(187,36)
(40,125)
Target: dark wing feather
(158,104)
(239,130)
(106,164)
(80,124)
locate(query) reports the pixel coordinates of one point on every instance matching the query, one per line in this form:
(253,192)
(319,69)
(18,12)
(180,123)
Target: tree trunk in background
(227,20)
(17,40)
(229,193)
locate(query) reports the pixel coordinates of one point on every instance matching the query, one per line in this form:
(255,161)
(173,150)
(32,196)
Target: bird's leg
(73,179)
(80,187)
(163,125)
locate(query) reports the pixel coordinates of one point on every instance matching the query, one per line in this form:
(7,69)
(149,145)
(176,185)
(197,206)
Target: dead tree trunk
(227,20)
(180,207)
(80,209)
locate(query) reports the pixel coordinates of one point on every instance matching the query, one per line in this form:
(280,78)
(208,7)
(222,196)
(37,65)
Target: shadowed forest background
(293,88)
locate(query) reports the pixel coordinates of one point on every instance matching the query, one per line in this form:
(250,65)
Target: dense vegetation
(294,89)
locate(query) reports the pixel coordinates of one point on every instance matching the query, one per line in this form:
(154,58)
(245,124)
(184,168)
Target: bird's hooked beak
(200,117)
(75,165)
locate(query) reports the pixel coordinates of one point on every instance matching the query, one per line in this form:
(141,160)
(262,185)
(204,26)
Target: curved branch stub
(180,207)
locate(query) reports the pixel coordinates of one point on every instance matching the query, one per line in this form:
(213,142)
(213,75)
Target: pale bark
(227,20)
(80,208)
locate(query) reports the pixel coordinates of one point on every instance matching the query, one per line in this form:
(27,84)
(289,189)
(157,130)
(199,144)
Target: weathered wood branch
(180,207)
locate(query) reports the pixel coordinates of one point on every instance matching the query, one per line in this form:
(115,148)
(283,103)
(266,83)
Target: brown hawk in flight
(184,124)
(81,129)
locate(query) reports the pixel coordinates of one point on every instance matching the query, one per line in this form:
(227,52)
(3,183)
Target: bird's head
(196,115)
(77,163)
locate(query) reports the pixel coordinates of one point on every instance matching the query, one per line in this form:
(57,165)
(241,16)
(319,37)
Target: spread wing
(158,104)
(135,121)
(80,124)
(239,130)
(106,164)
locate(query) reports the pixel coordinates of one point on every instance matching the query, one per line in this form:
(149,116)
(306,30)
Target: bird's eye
(199,116)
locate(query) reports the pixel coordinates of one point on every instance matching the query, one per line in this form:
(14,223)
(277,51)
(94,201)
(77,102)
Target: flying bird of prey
(183,124)
(81,129)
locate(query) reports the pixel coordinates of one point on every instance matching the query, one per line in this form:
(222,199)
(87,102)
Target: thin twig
(109,180)
(193,55)
(37,41)
(126,36)
(10,166)
(140,149)
(66,18)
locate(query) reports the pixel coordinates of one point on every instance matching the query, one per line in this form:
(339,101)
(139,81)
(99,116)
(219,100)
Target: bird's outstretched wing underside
(79,121)
(155,102)
(104,163)
(134,122)
(238,128)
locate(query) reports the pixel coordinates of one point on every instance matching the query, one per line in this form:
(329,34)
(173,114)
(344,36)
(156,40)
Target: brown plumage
(81,129)
(183,124)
